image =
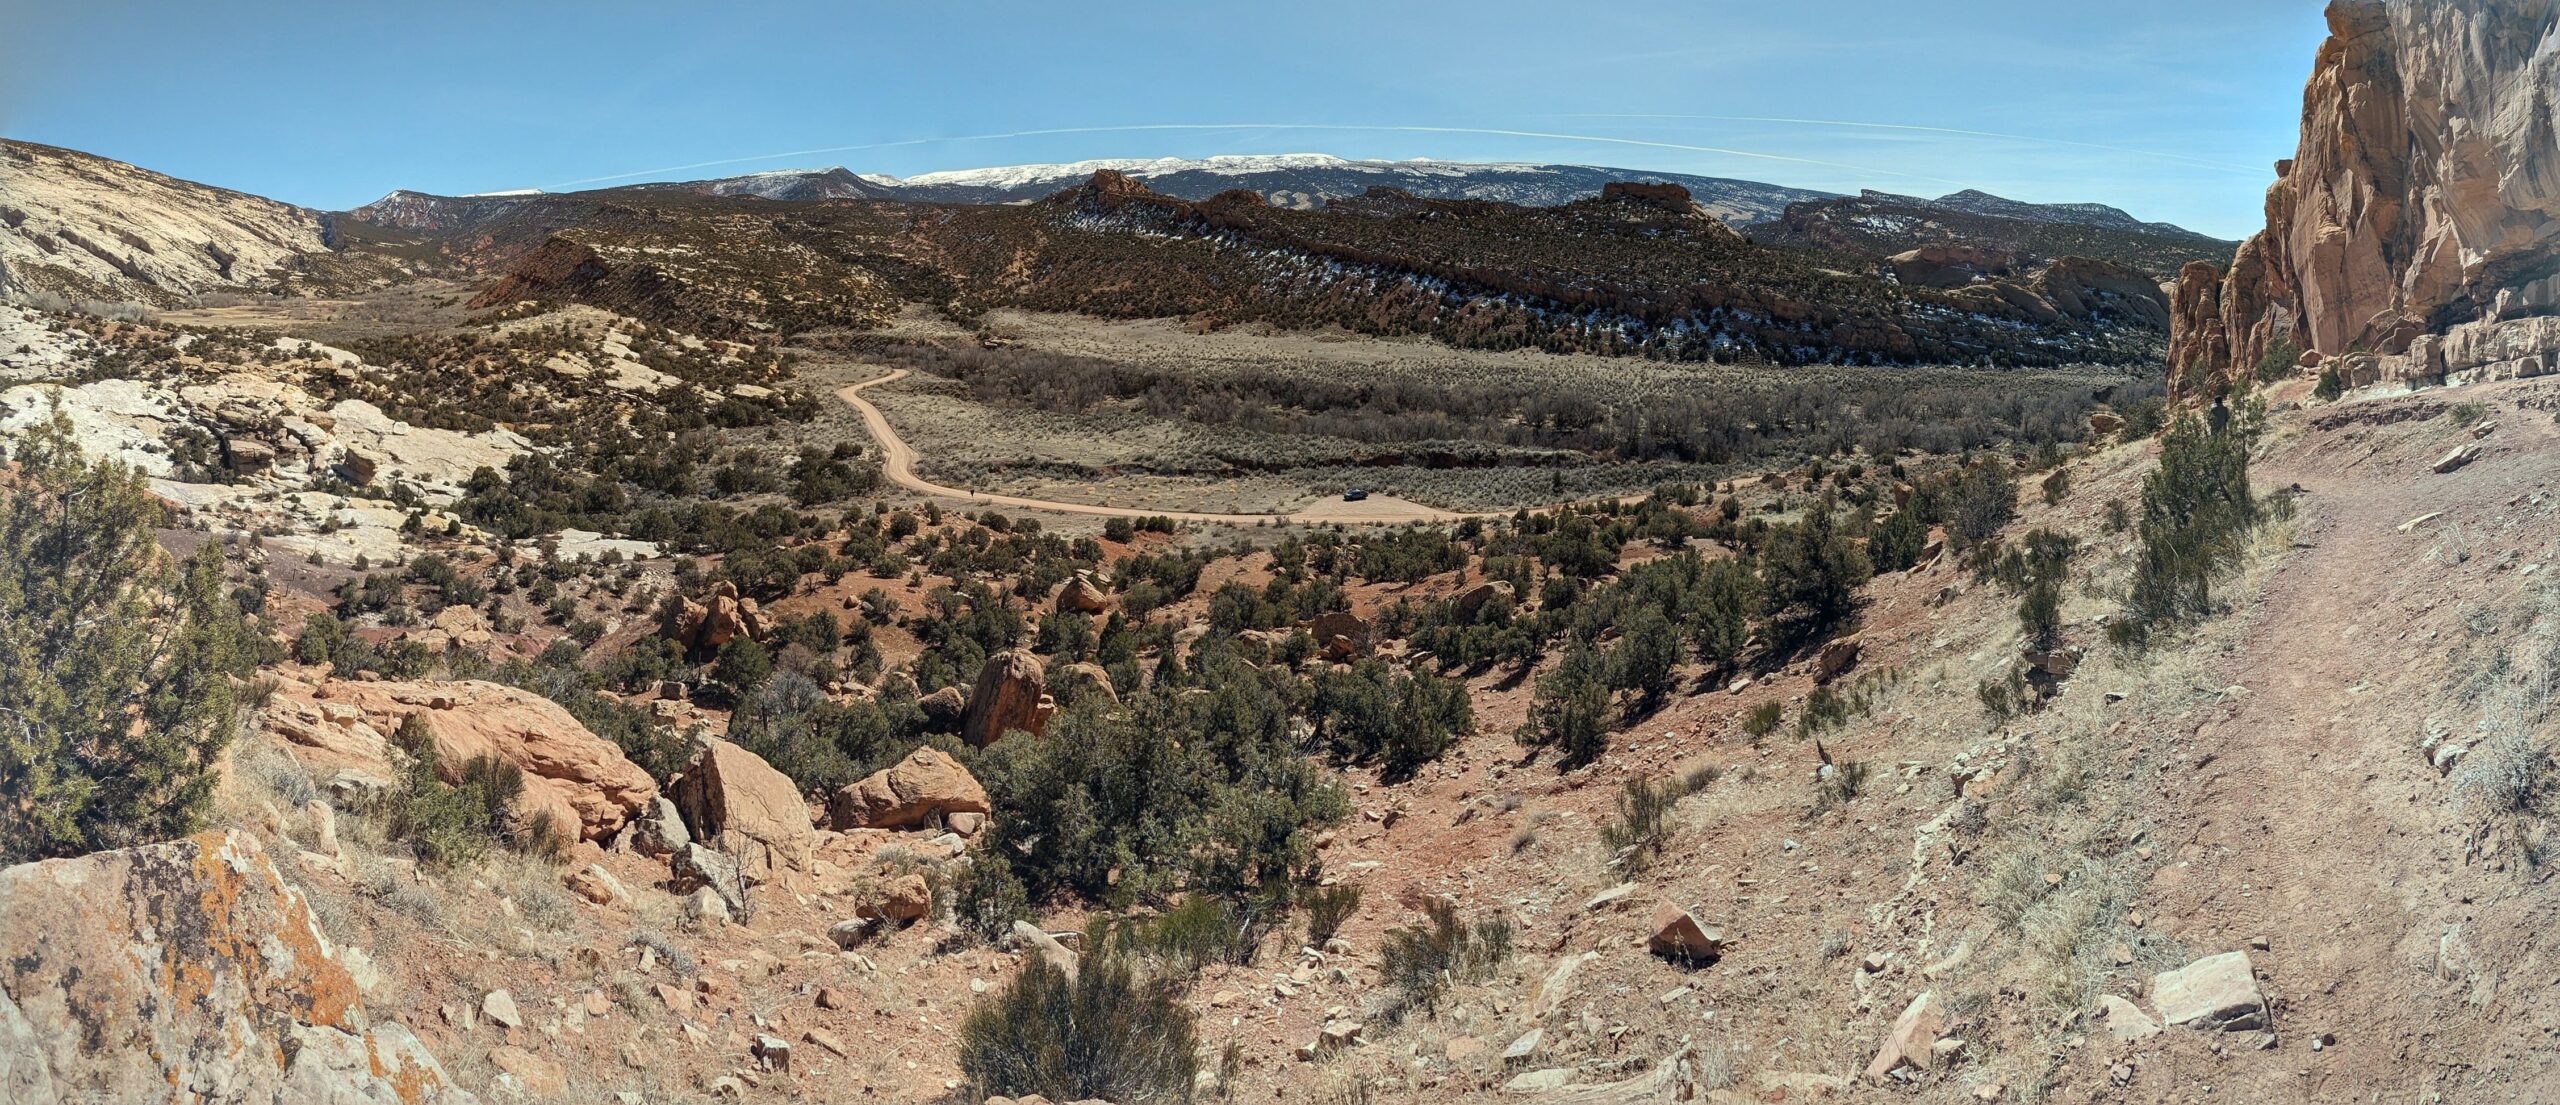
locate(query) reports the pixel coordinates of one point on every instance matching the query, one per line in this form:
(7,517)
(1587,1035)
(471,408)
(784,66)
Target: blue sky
(2172,109)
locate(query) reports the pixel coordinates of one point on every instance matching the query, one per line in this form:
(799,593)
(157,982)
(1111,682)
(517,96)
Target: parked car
(1354,495)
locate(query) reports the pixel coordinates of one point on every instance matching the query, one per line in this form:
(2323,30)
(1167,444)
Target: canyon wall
(2412,237)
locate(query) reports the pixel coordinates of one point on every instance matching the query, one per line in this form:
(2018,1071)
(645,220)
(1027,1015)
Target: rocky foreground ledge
(188,971)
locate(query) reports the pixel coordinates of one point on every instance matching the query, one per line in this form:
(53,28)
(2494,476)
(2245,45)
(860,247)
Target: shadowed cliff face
(2416,222)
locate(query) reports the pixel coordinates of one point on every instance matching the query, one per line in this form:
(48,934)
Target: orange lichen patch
(312,988)
(411,1081)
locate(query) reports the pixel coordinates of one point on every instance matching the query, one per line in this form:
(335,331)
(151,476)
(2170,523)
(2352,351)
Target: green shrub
(1646,659)
(2196,512)
(2040,614)
(1985,499)
(1570,710)
(1812,572)
(1372,712)
(1842,784)
(1201,930)
(1763,719)
(117,662)
(1327,908)
(1718,610)
(2330,385)
(1419,964)
(743,663)
(451,825)
(1169,793)
(985,898)
(1896,544)
(1642,826)
(2278,361)
(1105,1033)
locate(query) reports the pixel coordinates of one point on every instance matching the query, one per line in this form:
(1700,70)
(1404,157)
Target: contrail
(2037,139)
(1371,128)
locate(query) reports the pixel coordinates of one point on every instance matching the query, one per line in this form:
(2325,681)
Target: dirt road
(898,461)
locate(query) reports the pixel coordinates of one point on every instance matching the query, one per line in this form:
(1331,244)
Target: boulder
(901,898)
(928,784)
(1472,601)
(1029,937)
(1341,635)
(535,1075)
(709,624)
(1835,659)
(190,968)
(2460,456)
(1678,936)
(944,708)
(660,830)
(1073,683)
(1080,596)
(1011,696)
(2217,992)
(2102,423)
(581,781)
(597,885)
(1911,1042)
(733,799)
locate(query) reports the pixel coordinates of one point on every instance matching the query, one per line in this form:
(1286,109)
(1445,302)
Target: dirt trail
(2300,814)
(899,458)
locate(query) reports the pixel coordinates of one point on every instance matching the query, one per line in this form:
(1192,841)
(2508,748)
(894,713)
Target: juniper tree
(117,660)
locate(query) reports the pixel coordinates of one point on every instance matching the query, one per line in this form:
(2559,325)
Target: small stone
(1539,1081)
(1525,1046)
(825,1039)
(2217,992)
(831,998)
(500,1008)
(2125,1020)
(1609,897)
(1908,1043)
(772,1053)
(1679,936)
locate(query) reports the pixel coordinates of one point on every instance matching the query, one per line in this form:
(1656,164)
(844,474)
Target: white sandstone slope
(88,228)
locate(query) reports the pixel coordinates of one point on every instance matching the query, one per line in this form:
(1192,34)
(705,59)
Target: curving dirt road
(898,460)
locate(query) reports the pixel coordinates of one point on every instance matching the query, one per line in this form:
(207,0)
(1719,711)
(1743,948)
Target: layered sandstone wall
(2415,234)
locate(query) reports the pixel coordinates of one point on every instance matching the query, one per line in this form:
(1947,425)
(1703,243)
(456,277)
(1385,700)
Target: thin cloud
(2225,166)
(1590,139)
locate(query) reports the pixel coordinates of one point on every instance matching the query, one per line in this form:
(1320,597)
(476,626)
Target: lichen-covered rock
(186,971)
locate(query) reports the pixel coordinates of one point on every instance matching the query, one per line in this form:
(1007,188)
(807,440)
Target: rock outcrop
(1081,596)
(578,779)
(187,971)
(2412,237)
(737,803)
(709,625)
(912,792)
(1011,695)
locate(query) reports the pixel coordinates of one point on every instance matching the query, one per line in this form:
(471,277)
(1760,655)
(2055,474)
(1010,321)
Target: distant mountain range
(1564,258)
(1301,181)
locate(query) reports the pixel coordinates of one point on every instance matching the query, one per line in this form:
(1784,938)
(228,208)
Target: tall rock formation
(2415,234)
